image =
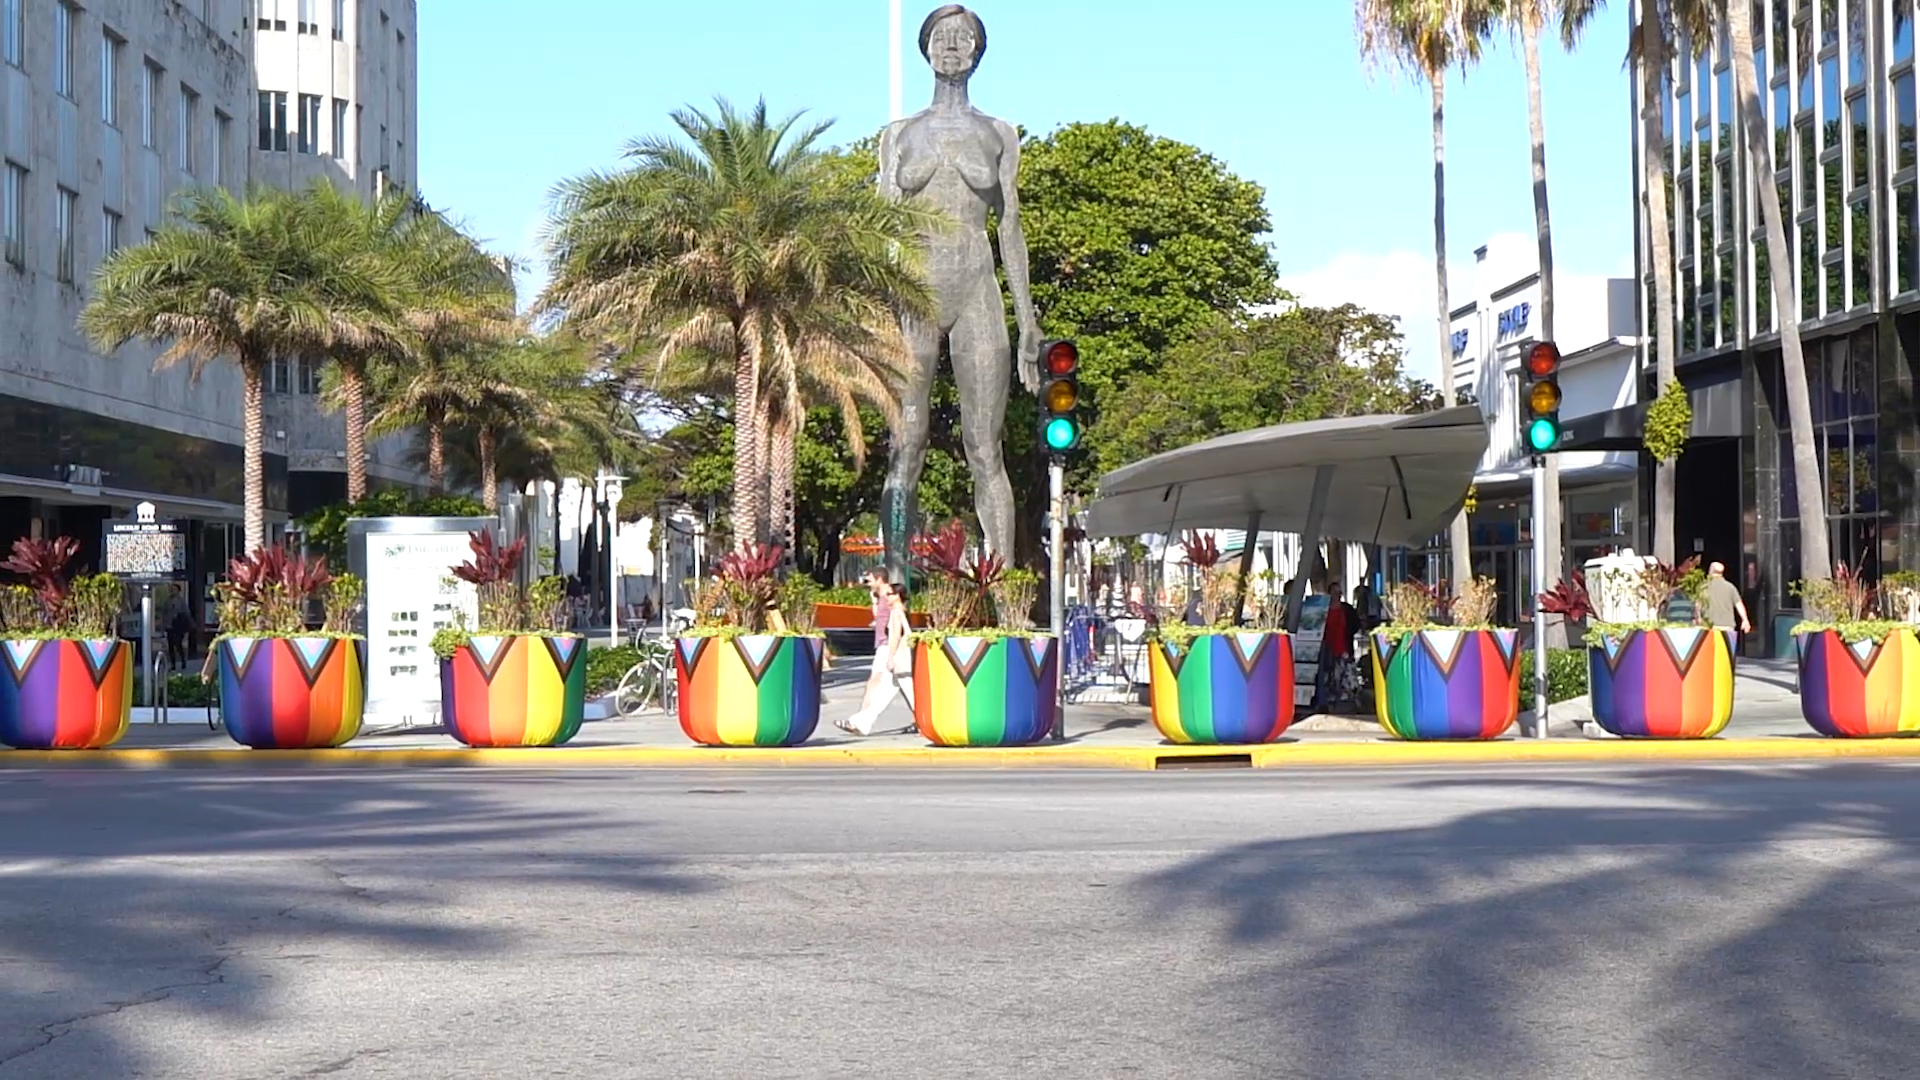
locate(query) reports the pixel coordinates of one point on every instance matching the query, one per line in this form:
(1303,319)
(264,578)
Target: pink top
(882,610)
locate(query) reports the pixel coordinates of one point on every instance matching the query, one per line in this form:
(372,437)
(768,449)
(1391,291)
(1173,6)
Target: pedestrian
(879,597)
(1336,646)
(892,664)
(178,622)
(1725,609)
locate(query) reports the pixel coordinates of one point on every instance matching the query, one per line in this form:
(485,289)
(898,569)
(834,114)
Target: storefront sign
(1514,320)
(145,549)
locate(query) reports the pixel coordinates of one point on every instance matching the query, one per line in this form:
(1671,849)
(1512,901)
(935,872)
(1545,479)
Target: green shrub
(326,528)
(184,690)
(846,594)
(605,666)
(1566,676)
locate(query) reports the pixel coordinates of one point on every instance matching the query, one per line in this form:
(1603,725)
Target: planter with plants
(284,686)
(66,680)
(1859,664)
(1440,669)
(1650,676)
(978,681)
(515,678)
(1211,683)
(749,672)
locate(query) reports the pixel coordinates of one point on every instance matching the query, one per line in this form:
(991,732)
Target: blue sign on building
(1459,342)
(1513,321)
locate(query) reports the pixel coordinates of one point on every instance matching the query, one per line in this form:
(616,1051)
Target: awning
(1393,480)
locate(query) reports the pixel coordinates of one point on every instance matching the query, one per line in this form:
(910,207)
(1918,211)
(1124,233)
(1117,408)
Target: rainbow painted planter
(1224,688)
(1863,689)
(1672,683)
(65,694)
(527,690)
(1447,684)
(303,693)
(752,690)
(972,691)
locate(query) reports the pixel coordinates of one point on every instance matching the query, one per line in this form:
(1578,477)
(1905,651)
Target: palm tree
(369,229)
(245,280)
(538,392)
(1425,38)
(730,243)
(1652,53)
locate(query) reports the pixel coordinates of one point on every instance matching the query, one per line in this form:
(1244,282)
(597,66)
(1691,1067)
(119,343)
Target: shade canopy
(1396,480)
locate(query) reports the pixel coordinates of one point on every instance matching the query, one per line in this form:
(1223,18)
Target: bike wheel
(631,695)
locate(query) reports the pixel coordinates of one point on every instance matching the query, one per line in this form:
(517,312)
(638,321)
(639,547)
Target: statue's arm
(889,167)
(1013,252)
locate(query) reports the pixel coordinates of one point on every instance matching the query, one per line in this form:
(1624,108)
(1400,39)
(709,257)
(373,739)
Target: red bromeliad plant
(959,587)
(53,604)
(268,594)
(494,572)
(749,584)
(1569,599)
(1203,553)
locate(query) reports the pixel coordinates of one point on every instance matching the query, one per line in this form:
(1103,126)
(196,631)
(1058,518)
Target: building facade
(107,109)
(1838,101)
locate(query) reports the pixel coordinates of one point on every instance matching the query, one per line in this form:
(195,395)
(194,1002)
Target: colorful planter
(1447,684)
(515,691)
(971,691)
(752,690)
(1670,683)
(65,694)
(299,693)
(1863,689)
(1224,688)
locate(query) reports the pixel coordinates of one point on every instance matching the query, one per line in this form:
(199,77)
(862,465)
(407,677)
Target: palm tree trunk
(1549,537)
(353,387)
(253,379)
(1816,563)
(1653,178)
(780,474)
(749,449)
(1459,540)
(437,450)
(489,478)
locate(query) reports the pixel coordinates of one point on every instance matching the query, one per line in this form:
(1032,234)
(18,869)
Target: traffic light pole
(1539,586)
(1057,586)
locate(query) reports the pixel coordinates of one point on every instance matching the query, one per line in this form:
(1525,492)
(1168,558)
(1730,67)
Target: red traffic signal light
(1543,360)
(1062,358)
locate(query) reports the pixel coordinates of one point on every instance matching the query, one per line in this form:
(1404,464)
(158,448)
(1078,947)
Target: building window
(308,24)
(1842,387)
(188,122)
(150,105)
(222,145)
(14,32)
(273,120)
(109,232)
(339,20)
(309,135)
(339,129)
(279,376)
(63,20)
(269,16)
(110,47)
(13,221)
(309,372)
(63,208)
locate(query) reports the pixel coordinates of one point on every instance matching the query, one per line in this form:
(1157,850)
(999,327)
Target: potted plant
(1209,682)
(978,682)
(1857,663)
(747,675)
(1440,669)
(284,686)
(515,678)
(66,680)
(1649,675)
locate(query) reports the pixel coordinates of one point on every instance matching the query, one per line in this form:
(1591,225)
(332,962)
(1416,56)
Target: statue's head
(953,39)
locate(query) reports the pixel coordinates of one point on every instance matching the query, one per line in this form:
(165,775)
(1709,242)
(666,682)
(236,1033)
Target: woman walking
(892,665)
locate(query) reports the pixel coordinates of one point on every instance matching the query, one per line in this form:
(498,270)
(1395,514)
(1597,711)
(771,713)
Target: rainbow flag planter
(527,690)
(1671,683)
(303,693)
(752,690)
(1447,684)
(64,694)
(971,691)
(1860,690)
(1225,688)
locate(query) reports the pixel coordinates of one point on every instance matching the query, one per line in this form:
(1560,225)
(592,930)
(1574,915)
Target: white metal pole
(1539,586)
(1057,587)
(895,94)
(146,640)
(613,576)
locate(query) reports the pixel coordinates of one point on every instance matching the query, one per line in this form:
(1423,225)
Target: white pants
(880,694)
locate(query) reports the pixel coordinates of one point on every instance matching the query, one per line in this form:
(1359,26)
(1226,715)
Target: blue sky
(511,101)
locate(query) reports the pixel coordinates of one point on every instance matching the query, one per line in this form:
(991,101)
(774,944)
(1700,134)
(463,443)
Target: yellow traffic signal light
(1540,418)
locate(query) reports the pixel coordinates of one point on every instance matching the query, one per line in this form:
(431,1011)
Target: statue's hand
(1030,355)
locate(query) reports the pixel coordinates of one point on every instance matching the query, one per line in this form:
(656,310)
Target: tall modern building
(107,109)
(1837,90)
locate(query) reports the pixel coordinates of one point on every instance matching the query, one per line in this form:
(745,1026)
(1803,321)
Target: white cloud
(1397,283)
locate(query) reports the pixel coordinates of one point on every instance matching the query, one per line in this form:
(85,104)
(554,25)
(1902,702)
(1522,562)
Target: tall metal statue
(963,162)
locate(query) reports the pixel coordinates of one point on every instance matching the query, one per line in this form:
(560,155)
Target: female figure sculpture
(963,163)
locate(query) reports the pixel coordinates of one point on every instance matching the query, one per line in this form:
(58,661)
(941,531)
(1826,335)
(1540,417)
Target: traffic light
(1059,396)
(1540,411)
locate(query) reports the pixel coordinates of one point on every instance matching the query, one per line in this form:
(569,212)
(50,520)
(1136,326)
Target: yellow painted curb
(1069,756)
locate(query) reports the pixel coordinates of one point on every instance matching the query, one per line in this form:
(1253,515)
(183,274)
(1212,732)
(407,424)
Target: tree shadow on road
(126,892)
(1738,925)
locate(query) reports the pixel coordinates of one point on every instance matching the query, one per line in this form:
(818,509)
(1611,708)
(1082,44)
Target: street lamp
(607,490)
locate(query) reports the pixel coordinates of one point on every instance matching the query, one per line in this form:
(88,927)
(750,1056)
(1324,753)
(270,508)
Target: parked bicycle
(650,681)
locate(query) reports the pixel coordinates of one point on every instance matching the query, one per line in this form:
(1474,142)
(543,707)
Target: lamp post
(607,490)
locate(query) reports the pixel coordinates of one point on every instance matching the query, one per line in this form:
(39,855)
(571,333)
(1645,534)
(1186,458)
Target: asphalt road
(1527,923)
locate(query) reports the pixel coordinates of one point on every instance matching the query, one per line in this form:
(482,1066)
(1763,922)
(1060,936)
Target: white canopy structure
(1393,480)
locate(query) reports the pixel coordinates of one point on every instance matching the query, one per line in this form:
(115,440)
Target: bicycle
(652,679)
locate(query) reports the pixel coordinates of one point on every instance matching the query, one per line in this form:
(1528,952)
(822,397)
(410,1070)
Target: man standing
(1725,609)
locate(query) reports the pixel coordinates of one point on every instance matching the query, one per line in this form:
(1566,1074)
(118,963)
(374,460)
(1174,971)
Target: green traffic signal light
(1543,435)
(1062,433)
